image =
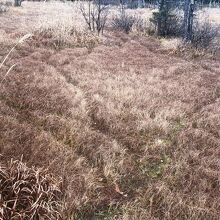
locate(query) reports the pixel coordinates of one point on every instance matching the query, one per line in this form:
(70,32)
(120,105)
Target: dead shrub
(28,193)
(141,27)
(204,34)
(58,37)
(204,43)
(3,7)
(123,22)
(9,3)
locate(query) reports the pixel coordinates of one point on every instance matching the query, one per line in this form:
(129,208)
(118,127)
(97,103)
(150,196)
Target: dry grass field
(132,127)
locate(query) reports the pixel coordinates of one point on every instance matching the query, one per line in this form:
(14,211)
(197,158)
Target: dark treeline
(157,2)
(197,1)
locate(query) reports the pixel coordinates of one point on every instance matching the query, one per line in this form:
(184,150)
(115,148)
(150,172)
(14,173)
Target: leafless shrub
(95,14)
(124,22)
(141,27)
(9,3)
(204,33)
(3,8)
(28,193)
(204,41)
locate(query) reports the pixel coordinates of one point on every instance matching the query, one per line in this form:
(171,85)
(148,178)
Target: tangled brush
(28,193)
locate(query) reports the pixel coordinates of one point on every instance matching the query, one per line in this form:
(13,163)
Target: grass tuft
(28,193)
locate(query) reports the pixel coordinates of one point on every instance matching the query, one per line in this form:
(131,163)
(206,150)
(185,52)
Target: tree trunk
(188,20)
(161,9)
(17,3)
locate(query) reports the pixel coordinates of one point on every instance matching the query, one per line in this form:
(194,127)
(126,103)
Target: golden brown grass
(132,130)
(28,193)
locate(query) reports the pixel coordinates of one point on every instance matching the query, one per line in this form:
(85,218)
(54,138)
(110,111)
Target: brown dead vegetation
(132,130)
(28,193)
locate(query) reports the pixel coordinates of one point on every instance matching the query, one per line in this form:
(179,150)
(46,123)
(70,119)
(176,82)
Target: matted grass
(28,193)
(132,130)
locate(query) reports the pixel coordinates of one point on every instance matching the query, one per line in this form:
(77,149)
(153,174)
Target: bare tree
(95,13)
(17,3)
(161,15)
(188,19)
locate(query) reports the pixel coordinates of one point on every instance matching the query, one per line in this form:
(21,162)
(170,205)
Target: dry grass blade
(28,193)
(25,37)
(9,71)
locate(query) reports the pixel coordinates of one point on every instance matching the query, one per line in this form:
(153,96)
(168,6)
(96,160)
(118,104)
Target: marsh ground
(132,127)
